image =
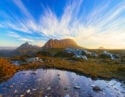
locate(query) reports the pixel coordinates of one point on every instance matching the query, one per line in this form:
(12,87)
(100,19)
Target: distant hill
(64,43)
(101,47)
(23,49)
(26,48)
(52,45)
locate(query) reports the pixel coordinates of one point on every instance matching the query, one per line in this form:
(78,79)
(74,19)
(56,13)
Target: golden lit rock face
(64,43)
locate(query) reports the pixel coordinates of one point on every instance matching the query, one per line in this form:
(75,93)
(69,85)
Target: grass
(93,68)
(6,69)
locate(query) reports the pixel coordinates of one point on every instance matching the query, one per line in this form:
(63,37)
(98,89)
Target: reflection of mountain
(51,76)
(64,43)
(46,81)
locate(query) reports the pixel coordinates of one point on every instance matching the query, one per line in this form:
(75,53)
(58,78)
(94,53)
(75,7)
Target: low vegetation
(91,68)
(6,69)
(100,68)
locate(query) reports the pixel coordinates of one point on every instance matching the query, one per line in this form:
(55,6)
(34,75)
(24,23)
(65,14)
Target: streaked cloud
(19,37)
(22,7)
(13,34)
(102,26)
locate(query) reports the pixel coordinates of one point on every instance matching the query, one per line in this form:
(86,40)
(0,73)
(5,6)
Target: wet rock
(65,88)
(33,73)
(116,89)
(11,86)
(34,89)
(41,93)
(15,91)
(92,85)
(67,95)
(49,88)
(76,87)
(59,78)
(28,91)
(39,79)
(23,73)
(97,88)
(22,95)
(22,83)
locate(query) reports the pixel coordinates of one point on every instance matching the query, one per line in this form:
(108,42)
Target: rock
(59,78)
(39,79)
(49,88)
(63,43)
(106,54)
(23,73)
(15,91)
(97,89)
(84,57)
(22,95)
(28,91)
(34,89)
(76,87)
(67,95)
(33,59)
(93,54)
(65,88)
(11,86)
(33,73)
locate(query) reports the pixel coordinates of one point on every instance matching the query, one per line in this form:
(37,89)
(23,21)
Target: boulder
(97,89)
(84,58)
(28,91)
(67,95)
(76,87)
(106,54)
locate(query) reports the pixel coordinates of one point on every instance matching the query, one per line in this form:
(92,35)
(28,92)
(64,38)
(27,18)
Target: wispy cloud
(26,39)
(99,27)
(22,7)
(19,37)
(14,34)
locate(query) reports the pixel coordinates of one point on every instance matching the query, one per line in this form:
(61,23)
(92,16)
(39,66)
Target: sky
(91,23)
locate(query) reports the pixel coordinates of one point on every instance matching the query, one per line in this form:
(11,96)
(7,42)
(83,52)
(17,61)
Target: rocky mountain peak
(63,43)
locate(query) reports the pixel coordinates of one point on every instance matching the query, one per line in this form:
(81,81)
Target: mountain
(63,43)
(101,47)
(26,48)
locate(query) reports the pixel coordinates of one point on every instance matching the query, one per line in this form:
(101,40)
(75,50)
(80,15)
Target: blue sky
(91,23)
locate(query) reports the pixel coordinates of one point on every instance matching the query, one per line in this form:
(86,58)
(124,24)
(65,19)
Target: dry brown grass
(6,69)
(91,68)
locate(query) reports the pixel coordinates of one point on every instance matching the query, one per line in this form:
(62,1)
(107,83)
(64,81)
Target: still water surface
(58,83)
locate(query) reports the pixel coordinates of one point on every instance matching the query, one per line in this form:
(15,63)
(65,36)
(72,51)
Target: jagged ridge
(63,43)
